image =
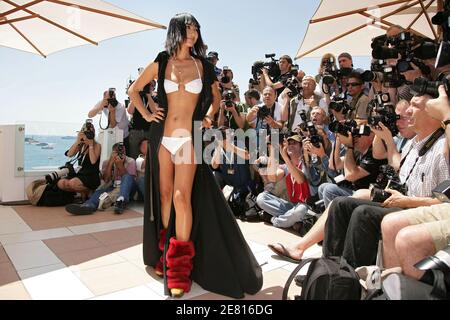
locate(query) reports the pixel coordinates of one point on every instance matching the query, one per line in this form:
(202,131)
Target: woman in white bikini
(181,197)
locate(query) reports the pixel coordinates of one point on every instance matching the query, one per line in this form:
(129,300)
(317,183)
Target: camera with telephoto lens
(438,261)
(387,178)
(342,128)
(422,86)
(112,97)
(340,104)
(392,77)
(66,171)
(375,72)
(314,136)
(225,78)
(294,87)
(228,97)
(382,110)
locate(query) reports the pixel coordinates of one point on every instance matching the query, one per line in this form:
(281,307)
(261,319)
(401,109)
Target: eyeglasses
(353,84)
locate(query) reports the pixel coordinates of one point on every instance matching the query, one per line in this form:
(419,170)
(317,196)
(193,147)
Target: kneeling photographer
(119,174)
(423,167)
(86,151)
(286,213)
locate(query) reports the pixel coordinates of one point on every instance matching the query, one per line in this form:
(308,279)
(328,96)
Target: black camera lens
(379,195)
(422,86)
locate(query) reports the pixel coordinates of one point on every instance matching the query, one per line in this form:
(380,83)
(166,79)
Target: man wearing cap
(213,57)
(287,213)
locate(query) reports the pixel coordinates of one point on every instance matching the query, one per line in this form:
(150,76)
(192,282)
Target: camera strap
(100,122)
(426,147)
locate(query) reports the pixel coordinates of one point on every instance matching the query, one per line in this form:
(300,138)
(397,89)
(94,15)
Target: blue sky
(63,87)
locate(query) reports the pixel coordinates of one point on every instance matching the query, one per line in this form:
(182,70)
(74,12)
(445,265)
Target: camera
(439,261)
(263,112)
(88,129)
(294,87)
(332,73)
(387,178)
(342,128)
(392,78)
(66,170)
(422,86)
(112,97)
(228,97)
(272,66)
(303,116)
(442,191)
(314,136)
(375,72)
(121,150)
(263,162)
(382,110)
(225,78)
(339,104)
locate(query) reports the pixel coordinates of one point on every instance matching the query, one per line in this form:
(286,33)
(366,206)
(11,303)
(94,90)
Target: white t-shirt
(121,116)
(301,105)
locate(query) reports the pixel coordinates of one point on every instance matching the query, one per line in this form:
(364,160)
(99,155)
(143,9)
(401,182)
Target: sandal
(284,253)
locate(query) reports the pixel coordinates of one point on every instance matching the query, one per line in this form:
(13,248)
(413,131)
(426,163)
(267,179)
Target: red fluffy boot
(159,266)
(179,264)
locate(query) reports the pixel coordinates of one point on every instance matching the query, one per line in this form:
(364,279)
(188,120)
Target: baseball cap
(213,54)
(345,55)
(295,138)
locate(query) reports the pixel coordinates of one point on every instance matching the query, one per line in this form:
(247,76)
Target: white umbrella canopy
(349,25)
(46,26)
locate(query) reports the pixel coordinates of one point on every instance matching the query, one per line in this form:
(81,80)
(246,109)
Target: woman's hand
(157,116)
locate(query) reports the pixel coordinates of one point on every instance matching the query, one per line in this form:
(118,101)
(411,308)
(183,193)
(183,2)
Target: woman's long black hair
(176,35)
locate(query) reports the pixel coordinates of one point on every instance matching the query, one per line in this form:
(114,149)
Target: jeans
(141,185)
(127,187)
(285,214)
(329,191)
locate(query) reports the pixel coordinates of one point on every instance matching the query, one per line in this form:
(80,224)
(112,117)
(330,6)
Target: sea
(38,156)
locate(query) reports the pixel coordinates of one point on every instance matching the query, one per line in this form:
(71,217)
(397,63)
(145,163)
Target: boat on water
(68,138)
(42,144)
(47,147)
(31,140)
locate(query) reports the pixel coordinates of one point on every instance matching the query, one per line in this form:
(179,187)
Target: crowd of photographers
(348,149)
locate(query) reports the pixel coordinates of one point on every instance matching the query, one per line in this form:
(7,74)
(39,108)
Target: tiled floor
(46,253)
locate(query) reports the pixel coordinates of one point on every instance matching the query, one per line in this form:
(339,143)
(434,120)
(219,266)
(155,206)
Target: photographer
(328,61)
(226,83)
(277,83)
(287,213)
(360,169)
(304,102)
(114,110)
(213,57)
(87,152)
(139,127)
(231,113)
(119,174)
(360,102)
(269,114)
(353,226)
(387,147)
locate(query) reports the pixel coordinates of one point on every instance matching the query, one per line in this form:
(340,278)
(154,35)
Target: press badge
(230,171)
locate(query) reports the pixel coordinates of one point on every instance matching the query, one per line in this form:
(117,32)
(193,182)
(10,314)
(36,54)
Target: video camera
(229,96)
(382,110)
(272,66)
(66,170)
(387,178)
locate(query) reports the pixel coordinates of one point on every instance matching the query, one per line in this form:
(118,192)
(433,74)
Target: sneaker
(80,209)
(105,202)
(119,207)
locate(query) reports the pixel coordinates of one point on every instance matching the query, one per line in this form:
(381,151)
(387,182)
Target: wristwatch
(445,123)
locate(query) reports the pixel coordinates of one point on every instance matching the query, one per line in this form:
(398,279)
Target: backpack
(237,202)
(330,278)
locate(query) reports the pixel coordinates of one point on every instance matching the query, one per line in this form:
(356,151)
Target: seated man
(118,172)
(287,213)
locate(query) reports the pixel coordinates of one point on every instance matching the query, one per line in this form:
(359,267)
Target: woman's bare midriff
(179,117)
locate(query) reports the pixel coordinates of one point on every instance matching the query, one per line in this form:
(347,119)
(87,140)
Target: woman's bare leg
(166,172)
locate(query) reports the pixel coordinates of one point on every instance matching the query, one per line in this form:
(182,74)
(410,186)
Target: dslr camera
(88,129)
(387,178)
(382,110)
(314,136)
(263,112)
(340,104)
(422,86)
(112,97)
(349,126)
(66,171)
(229,96)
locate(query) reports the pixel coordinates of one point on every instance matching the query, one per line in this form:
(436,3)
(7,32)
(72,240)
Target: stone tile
(14,291)
(90,258)
(35,235)
(73,243)
(7,273)
(269,263)
(113,237)
(113,278)
(99,227)
(30,255)
(137,293)
(3,256)
(131,251)
(54,282)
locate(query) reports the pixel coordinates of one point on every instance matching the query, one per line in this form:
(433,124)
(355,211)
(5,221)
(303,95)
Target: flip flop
(284,254)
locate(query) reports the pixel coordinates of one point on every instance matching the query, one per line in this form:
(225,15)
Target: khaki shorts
(437,221)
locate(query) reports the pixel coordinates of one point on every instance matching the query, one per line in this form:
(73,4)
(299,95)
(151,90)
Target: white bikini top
(194,86)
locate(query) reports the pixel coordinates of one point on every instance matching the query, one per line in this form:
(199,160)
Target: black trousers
(353,230)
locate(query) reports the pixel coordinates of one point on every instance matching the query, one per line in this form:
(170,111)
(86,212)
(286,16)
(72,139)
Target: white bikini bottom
(173,144)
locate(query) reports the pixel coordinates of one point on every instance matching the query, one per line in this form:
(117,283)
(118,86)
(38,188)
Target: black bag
(397,286)
(237,202)
(330,278)
(55,197)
